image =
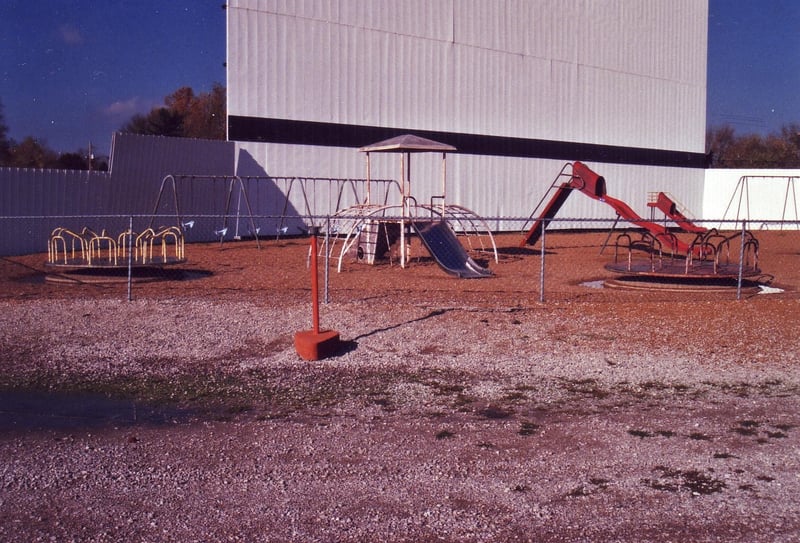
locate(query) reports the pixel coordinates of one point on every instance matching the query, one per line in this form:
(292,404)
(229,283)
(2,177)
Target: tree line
(185,114)
(726,149)
(190,115)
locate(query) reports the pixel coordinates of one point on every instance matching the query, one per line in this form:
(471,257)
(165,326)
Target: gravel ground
(455,410)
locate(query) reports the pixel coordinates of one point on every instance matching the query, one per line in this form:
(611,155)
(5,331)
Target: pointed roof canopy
(407,143)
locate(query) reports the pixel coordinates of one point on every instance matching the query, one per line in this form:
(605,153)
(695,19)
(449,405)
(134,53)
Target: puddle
(600,283)
(769,290)
(27,410)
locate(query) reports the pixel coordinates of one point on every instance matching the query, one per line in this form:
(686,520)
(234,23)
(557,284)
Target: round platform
(110,275)
(680,284)
(671,268)
(121,264)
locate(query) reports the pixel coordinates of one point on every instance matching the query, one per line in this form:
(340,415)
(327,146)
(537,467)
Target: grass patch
(527,428)
(694,481)
(585,387)
(494,412)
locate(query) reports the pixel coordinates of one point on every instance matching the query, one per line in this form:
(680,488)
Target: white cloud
(123,108)
(70,34)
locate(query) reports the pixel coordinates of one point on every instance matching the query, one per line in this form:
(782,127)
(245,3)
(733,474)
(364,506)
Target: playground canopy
(407,143)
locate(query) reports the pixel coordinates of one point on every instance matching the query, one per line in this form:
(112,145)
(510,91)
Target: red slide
(670,209)
(594,186)
(582,179)
(658,231)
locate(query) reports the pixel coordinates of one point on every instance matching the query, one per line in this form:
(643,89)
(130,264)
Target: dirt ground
(554,401)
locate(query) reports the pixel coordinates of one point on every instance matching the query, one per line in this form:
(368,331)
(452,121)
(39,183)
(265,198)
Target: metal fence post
(327,257)
(741,263)
(541,271)
(130,259)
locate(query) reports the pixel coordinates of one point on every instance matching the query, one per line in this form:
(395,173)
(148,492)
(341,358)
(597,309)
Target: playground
(541,386)
(457,409)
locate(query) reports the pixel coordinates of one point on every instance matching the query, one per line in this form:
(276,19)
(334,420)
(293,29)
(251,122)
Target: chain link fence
(128,248)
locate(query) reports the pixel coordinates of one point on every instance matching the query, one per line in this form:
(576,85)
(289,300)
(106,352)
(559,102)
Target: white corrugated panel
(607,72)
(420,18)
(656,38)
(34,202)
(498,187)
(152,157)
(33,192)
(542,29)
(394,64)
(306,9)
(757,196)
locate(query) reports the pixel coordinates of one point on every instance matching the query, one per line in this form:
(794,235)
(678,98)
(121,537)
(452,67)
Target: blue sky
(754,64)
(74,71)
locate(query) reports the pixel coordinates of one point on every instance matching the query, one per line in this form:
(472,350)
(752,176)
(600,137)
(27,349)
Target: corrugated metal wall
(610,72)
(34,202)
(757,196)
(199,172)
(490,186)
(618,72)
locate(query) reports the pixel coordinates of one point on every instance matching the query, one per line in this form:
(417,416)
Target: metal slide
(448,252)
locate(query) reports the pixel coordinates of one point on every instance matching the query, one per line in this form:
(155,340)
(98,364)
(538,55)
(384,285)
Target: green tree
(5,143)
(185,114)
(159,122)
(31,153)
(718,144)
(72,161)
(780,150)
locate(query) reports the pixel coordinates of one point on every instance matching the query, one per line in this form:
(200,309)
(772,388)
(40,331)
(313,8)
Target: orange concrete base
(316,346)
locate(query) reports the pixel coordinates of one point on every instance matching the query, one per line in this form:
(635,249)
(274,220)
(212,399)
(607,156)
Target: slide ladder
(535,232)
(582,179)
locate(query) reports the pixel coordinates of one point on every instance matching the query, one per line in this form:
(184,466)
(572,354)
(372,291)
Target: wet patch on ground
(22,410)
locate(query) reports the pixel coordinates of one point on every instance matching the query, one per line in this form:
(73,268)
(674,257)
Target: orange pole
(315,344)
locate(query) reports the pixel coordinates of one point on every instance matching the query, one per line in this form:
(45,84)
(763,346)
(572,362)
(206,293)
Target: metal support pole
(541,271)
(403,210)
(327,257)
(613,227)
(741,263)
(314,280)
(130,258)
(236,235)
